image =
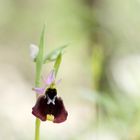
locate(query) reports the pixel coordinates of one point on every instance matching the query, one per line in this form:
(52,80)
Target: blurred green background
(100,68)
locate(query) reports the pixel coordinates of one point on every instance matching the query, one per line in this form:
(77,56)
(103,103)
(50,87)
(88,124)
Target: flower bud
(33,51)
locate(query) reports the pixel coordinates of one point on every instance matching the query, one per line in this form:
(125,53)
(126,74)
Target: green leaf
(40,57)
(57,63)
(52,56)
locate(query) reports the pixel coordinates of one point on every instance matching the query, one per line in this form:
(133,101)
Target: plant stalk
(37,129)
(39,64)
(37,84)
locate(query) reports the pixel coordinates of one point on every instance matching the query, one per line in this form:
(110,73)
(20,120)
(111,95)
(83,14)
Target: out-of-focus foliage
(100,71)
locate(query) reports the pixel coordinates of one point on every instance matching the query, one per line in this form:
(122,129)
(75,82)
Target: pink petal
(50,79)
(39,90)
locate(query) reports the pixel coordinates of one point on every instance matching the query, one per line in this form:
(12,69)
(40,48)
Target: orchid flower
(48,105)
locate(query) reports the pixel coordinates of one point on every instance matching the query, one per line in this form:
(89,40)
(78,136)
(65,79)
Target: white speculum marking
(51,100)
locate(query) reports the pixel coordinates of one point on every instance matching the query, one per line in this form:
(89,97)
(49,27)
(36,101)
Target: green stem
(37,129)
(39,64)
(37,84)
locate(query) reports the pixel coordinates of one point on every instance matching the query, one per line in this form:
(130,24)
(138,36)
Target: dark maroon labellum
(50,104)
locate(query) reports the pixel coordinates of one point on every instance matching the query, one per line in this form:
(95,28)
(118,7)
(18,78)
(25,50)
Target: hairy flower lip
(38,115)
(42,109)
